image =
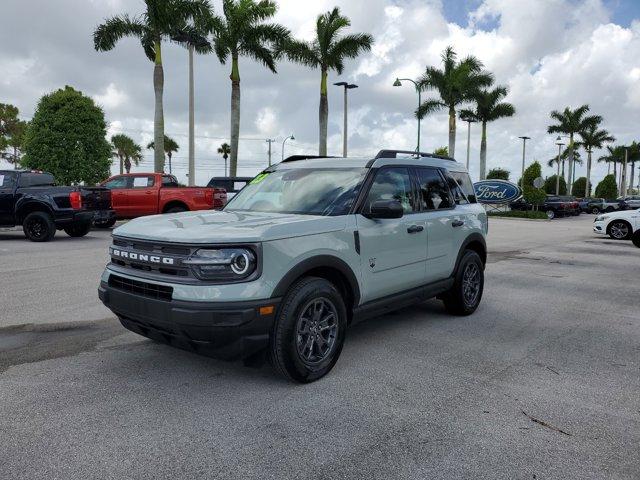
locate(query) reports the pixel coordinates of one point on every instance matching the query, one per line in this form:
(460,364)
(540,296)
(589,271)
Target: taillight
(75,198)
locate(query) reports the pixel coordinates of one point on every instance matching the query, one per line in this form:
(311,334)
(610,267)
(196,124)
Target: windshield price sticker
(259,178)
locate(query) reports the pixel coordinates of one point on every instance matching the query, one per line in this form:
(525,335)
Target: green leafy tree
(127,151)
(161,20)
(531,194)
(326,52)
(242,31)
(443,151)
(67,138)
(579,188)
(551,182)
(593,138)
(498,174)
(607,188)
(457,82)
(12,131)
(170,147)
(573,122)
(489,107)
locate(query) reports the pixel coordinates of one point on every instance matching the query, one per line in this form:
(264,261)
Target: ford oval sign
(496,191)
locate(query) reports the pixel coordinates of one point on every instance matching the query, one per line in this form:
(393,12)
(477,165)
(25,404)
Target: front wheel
(466,293)
(620,230)
(551,214)
(309,330)
(595,210)
(39,227)
(636,239)
(78,230)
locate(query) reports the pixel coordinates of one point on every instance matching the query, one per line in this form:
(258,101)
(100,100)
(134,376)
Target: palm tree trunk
(571,166)
(127,165)
(587,188)
(563,177)
(121,157)
(633,172)
(452,134)
(323,114)
(235,115)
(483,149)
(158,125)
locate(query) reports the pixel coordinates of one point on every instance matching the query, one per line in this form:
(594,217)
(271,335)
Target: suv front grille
(150,290)
(176,252)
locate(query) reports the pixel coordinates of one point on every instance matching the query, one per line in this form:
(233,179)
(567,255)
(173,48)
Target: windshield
(306,191)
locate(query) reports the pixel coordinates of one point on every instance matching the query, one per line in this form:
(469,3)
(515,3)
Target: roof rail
(295,158)
(394,154)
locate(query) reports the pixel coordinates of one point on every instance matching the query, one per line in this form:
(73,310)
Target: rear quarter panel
(193,197)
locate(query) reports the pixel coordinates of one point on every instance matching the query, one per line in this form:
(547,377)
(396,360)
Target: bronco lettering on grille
(142,257)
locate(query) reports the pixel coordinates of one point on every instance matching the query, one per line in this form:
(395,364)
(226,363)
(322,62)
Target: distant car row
(563,206)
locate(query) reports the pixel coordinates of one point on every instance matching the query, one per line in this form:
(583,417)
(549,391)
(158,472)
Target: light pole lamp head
(291,137)
(560,144)
(351,85)
(341,84)
(397,83)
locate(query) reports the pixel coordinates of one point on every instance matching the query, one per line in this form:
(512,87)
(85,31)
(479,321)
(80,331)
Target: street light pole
(269,141)
(560,145)
(398,83)
(290,137)
(347,86)
(524,148)
(469,121)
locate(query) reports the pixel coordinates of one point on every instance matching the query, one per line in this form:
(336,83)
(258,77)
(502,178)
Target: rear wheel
(39,227)
(78,229)
(466,293)
(176,209)
(636,239)
(309,330)
(551,214)
(619,230)
(595,210)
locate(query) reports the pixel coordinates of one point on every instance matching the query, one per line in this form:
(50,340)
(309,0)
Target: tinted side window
(456,190)
(392,184)
(465,183)
(434,192)
(169,181)
(36,180)
(7,179)
(117,183)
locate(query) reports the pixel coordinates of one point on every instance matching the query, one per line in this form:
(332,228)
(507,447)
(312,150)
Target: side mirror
(386,209)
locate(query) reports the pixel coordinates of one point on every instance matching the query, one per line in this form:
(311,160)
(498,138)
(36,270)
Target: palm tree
(120,143)
(326,52)
(613,156)
(592,138)
(134,155)
(225,150)
(159,22)
(457,82)
(170,147)
(563,158)
(634,156)
(242,32)
(572,122)
(489,107)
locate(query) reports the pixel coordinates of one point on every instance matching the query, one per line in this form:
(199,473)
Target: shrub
(550,185)
(67,138)
(607,188)
(531,194)
(498,174)
(579,187)
(534,214)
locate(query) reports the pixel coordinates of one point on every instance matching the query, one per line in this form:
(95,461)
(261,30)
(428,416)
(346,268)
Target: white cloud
(111,98)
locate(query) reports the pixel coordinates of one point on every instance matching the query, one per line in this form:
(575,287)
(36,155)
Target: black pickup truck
(33,200)
(554,206)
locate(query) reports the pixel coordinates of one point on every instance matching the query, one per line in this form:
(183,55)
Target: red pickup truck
(138,194)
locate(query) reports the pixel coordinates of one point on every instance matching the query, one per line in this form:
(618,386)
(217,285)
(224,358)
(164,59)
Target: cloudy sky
(550,54)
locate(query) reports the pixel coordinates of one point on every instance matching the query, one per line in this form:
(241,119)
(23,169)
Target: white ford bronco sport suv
(305,249)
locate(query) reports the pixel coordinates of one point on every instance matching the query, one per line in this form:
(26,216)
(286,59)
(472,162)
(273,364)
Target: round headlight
(240,264)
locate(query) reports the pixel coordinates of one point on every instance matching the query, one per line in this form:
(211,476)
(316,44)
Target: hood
(210,226)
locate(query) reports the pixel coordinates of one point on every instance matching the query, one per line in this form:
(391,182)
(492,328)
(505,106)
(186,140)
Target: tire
(107,224)
(78,230)
(464,298)
(297,326)
(176,210)
(636,239)
(619,230)
(39,227)
(609,209)
(595,210)
(551,214)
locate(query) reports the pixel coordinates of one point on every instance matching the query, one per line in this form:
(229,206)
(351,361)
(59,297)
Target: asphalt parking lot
(542,382)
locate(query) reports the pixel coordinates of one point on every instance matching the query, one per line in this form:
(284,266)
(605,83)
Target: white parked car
(618,225)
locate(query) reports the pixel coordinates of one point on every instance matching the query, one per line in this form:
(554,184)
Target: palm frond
(114,29)
(428,107)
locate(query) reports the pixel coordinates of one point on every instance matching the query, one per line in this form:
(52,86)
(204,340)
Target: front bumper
(227,330)
(600,227)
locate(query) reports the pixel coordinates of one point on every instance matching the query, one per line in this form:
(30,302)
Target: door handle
(457,223)
(415,229)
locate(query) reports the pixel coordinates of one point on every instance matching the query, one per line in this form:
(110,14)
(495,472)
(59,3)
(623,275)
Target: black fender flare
(311,263)
(25,203)
(474,237)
